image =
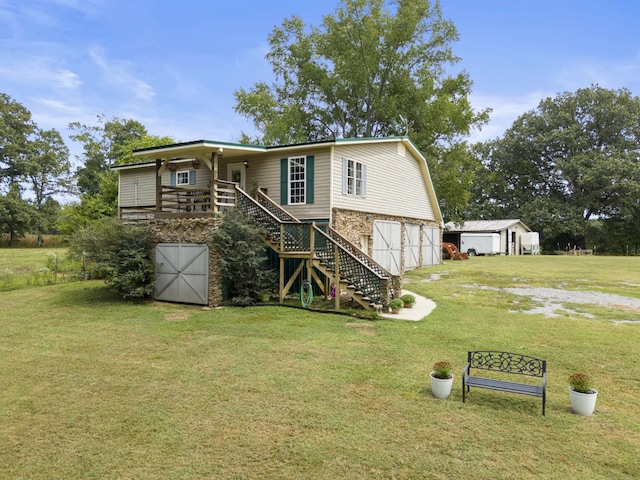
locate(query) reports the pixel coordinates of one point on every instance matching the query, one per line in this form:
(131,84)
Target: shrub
(118,253)
(244,265)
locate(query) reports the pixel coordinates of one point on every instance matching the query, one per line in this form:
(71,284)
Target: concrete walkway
(421,309)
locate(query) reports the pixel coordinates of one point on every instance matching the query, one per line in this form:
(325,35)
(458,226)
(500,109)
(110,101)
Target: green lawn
(94,387)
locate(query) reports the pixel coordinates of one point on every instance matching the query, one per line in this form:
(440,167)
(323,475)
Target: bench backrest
(507,362)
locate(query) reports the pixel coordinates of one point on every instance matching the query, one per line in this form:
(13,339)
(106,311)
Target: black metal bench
(505,362)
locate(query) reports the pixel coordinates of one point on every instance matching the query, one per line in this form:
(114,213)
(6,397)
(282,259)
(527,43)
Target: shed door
(431,246)
(387,245)
(182,273)
(411,246)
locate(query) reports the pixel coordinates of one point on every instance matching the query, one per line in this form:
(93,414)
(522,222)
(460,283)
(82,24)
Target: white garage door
(411,246)
(431,246)
(182,273)
(387,245)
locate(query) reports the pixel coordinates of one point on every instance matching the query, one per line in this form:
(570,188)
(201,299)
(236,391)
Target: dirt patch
(363,328)
(176,317)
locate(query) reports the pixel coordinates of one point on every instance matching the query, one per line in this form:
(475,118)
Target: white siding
(395,182)
(146,184)
(264,172)
(146,190)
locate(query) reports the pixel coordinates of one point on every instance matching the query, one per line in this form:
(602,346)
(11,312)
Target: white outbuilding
(515,238)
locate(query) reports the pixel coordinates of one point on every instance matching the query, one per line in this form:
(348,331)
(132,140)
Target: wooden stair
(370,285)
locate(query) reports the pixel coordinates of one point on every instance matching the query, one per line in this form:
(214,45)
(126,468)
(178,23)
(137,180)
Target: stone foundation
(193,230)
(353,225)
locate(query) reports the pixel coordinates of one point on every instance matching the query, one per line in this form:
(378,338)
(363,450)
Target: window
(185,177)
(182,178)
(297,180)
(354,178)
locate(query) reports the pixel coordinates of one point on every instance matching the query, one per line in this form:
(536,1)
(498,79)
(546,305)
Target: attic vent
(402,150)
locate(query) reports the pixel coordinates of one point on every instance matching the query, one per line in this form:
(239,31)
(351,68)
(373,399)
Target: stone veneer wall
(193,230)
(352,225)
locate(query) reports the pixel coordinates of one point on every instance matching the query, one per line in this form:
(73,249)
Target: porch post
(158,186)
(281,283)
(214,179)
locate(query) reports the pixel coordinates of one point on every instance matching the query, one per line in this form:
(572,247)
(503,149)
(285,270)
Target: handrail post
(281,237)
(312,239)
(281,286)
(336,254)
(312,244)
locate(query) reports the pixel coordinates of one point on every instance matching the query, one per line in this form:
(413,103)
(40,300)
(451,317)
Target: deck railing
(178,200)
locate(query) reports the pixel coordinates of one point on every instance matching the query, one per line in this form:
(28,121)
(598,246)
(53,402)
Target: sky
(174,65)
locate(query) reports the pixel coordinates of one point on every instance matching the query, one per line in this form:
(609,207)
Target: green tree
(34,164)
(574,158)
(373,69)
(48,173)
(16,128)
(103,144)
(16,215)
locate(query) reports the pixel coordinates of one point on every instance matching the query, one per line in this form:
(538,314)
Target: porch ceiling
(198,148)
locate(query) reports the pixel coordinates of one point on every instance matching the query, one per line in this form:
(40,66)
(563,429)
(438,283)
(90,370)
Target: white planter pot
(441,387)
(583,403)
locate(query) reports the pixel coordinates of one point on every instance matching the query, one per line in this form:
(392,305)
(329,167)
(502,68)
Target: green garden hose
(306,294)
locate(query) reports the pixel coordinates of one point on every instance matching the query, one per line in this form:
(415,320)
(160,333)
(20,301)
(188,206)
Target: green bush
(118,253)
(245,268)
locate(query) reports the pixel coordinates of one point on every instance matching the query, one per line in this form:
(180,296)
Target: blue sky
(174,66)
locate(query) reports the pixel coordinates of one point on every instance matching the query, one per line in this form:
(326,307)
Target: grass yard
(92,387)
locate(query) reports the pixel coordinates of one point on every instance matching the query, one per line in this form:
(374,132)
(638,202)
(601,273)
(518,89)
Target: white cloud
(583,72)
(119,73)
(505,110)
(60,106)
(37,70)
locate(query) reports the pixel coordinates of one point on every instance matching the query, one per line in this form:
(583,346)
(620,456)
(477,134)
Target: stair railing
(356,252)
(357,269)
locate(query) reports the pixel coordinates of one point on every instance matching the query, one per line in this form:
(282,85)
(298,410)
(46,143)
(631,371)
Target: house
(373,194)
(515,237)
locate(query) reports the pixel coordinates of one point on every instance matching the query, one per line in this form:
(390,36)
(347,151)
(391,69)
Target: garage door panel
(411,246)
(182,273)
(431,246)
(387,245)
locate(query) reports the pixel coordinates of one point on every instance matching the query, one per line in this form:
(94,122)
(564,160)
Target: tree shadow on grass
(93,294)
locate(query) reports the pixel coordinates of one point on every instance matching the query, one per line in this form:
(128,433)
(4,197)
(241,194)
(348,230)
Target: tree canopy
(102,144)
(374,68)
(573,159)
(34,166)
